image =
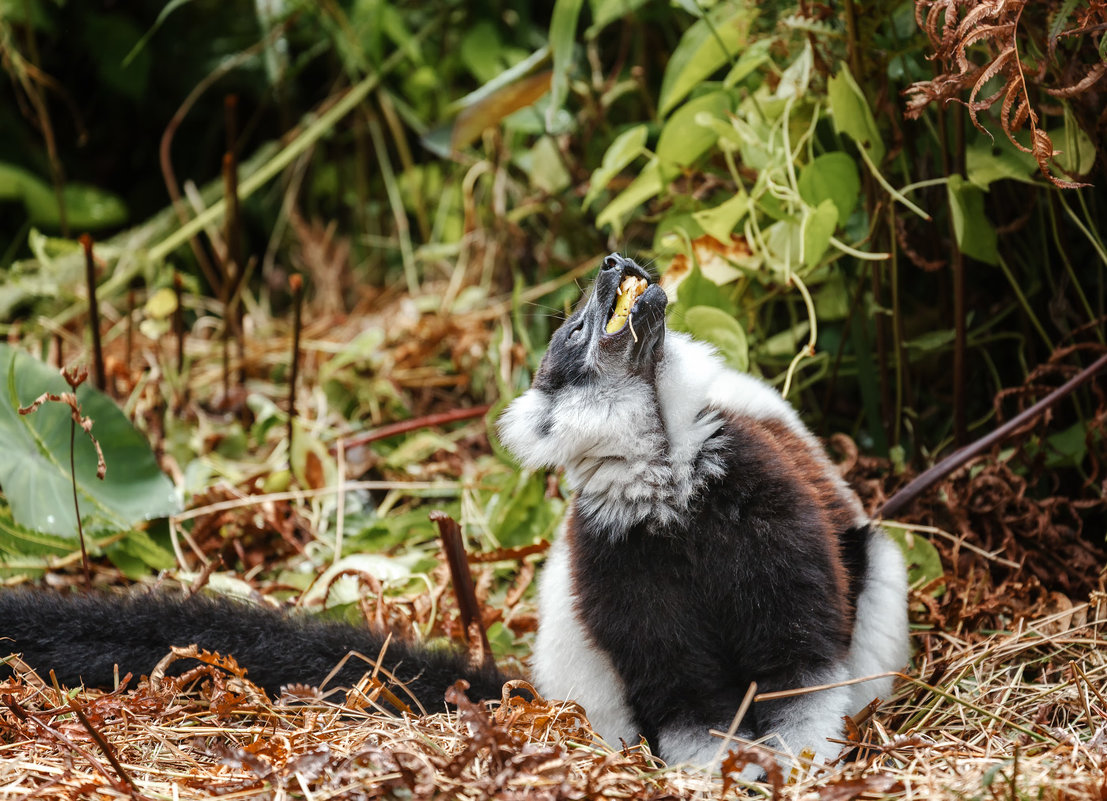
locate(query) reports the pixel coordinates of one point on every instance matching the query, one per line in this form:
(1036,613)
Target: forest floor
(1004,697)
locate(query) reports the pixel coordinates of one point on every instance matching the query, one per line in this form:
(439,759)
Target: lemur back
(710,542)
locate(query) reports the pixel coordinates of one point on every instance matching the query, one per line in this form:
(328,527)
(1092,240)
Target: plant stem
(467,605)
(76,504)
(296,284)
(94,314)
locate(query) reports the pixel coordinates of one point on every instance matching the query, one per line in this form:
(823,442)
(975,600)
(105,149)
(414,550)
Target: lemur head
(594,387)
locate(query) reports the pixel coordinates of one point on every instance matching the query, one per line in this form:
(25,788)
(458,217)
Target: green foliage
(35,472)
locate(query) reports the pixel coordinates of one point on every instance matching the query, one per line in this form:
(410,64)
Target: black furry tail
(83,637)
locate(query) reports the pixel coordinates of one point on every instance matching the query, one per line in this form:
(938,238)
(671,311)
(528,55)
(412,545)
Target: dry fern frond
(1030,48)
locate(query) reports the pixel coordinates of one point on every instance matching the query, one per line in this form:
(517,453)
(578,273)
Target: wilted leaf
(489,110)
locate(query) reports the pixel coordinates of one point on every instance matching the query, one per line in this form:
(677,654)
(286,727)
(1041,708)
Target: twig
(296,284)
(94,314)
(404,426)
(928,478)
(465,592)
(105,746)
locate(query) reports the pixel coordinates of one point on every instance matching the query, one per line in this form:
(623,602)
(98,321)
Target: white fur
(880,633)
(566,663)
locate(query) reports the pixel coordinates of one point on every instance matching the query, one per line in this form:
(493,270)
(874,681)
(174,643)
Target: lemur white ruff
(710,543)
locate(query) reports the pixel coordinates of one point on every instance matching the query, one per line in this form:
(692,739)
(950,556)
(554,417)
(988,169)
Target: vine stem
(76,503)
(928,478)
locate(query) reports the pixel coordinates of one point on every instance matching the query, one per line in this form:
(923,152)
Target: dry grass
(1013,715)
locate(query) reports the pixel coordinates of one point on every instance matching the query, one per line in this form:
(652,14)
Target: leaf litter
(1004,696)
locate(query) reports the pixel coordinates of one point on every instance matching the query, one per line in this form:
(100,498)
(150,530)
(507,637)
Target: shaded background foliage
(747,151)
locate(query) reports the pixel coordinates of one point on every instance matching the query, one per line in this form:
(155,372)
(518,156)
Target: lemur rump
(710,543)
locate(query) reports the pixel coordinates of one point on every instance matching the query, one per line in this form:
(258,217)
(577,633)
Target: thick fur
(710,544)
(83,637)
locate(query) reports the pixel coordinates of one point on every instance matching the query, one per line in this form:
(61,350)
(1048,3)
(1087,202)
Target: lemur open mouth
(630,289)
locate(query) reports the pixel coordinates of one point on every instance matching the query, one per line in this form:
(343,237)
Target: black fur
(741,590)
(855,557)
(81,637)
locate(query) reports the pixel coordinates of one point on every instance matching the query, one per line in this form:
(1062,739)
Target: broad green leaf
(683,140)
(523,515)
(137,554)
(975,234)
(481,51)
(17,540)
(852,115)
(832,300)
(1075,149)
(34,472)
(706,46)
(713,325)
(924,565)
(645,186)
(831,176)
(818,227)
(563,31)
(755,54)
(543,165)
(604,12)
(987,161)
(626,148)
(87,208)
(787,342)
(721,221)
(698,290)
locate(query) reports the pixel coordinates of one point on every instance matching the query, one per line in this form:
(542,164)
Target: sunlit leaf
(683,140)
(645,186)
(706,46)
(713,325)
(491,109)
(626,148)
(852,115)
(722,220)
(563,32)
(818,227)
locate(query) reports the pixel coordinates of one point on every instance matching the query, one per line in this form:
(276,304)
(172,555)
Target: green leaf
(756,54)
(137,554)
(1075,149)
(604,12)
(707,45)
(544,166)
(924,565)
(87,208)
(831,176)
(120,65)
(34,472)
(818,227)
(17,540)
(683,140)
(698,290)
(987,161)
(563,31)
(713,325)
(852,115)
(626,148)
(645,186)
(721,221)
(976,237)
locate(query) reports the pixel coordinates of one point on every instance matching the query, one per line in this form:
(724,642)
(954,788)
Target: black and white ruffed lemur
(710,543)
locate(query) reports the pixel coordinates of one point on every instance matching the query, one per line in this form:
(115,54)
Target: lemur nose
(612,262)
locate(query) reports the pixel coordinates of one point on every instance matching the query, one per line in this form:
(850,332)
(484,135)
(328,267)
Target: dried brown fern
(1020,52)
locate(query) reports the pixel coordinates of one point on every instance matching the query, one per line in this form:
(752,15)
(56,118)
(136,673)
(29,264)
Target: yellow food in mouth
(630,290)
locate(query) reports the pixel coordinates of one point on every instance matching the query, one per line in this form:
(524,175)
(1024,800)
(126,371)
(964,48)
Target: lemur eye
(576,332)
